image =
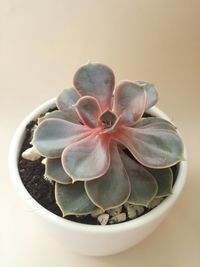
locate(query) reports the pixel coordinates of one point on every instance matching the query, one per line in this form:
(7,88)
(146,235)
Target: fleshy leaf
(108,118)
(154,148)
(53,135)
(73,200)
(56,114)
(96,80)
(152,93)
(113,188)
(164,178)
(54,171)
(155,123)
(114,127)
(129,102)
(143,185)
(66,101)
(87,159)
(89,110)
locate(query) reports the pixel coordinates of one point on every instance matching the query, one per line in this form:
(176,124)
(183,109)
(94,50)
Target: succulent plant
(101,152)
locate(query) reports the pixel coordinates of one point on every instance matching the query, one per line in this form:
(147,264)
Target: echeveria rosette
(81,143)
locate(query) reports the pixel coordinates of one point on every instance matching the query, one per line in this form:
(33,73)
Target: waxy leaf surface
(152,93)
(88,110)
(129,102)
(155,123)
(113,188)
(87,159)
(54,171)
(66,101)
(52,136)
(143,185)
(164,178)
(96,80)
(73,200)
(154,148)
(56,114)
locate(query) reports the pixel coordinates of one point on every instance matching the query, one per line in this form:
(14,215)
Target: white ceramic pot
(92,239)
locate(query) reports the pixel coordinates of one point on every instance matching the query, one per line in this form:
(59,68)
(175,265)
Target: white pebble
(96,213)
(31,154)
(118,218)
(44,161)
(139,209)
(131,212)
(115,211)
(103,218)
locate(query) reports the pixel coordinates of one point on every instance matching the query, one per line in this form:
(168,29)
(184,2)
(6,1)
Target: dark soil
(32,175)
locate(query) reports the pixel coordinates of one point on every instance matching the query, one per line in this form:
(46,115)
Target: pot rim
(14,150)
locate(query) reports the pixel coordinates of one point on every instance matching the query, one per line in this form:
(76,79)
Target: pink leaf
(87,159)
(108,118)
(129,102)
(154,148)
(53,135)
(114,127)
(88,110)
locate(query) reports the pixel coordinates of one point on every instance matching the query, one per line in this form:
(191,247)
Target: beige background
(42,42)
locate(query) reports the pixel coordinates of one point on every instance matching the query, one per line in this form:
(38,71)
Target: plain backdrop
(42,43)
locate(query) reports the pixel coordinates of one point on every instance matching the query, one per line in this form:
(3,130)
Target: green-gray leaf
(66,101)
(152,146)
(54,171)
(164,178)
(95,80)
(152,94)
(56,114)
(73,200)
(156,123)
(112,189)
(52,136)
(143,185)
